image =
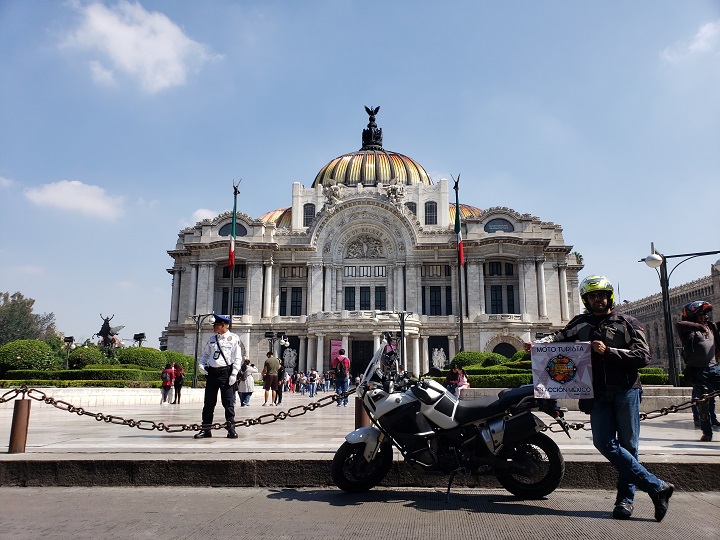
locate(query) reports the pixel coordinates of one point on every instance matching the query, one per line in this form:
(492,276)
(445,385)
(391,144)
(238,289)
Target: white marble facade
(351,252)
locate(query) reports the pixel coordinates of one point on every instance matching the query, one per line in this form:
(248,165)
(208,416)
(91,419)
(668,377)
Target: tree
(17,320)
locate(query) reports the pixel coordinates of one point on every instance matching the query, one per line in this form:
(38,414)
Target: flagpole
(461,261)
(231,254)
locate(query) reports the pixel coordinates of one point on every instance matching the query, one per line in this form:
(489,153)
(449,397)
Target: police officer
(221,361)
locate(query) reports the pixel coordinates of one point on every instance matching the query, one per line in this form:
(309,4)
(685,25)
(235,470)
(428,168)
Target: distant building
(649,311)
(373,235)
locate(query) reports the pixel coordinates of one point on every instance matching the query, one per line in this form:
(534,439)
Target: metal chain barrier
(293,412)
(149,425)
(555,427)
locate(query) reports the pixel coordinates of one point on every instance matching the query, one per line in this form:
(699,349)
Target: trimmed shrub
(26,354)
(520,355)
(473,358)
(82,356)
(179,358)
(493,359)
(142,356)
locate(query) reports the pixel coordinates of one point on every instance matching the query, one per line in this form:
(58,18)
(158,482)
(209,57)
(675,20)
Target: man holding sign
(618,350)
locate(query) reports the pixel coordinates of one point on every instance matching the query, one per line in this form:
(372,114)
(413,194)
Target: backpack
(180,378)
(341,368)
(165,376)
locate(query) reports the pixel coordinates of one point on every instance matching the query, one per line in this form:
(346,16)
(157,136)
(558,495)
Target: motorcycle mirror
(434,372)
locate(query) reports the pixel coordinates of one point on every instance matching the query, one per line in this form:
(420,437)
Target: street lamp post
(69,342)
(272,338)
(199,319)
(658,261)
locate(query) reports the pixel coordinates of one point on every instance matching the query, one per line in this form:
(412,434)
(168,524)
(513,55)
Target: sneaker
(339,404)
(715,422)
(203,435)
(345,404)
(706,438)
(661,500)
(622,511)
(264,404)
(232,435)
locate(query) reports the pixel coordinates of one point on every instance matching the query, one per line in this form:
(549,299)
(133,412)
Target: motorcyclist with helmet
(618,349)
(700,351)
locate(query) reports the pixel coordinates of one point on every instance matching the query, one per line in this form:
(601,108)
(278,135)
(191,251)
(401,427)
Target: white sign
(562,370)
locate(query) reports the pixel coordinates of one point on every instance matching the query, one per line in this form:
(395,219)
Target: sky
(123,122)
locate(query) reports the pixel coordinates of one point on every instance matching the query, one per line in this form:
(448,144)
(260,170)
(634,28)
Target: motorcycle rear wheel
(352,473)
(539,453)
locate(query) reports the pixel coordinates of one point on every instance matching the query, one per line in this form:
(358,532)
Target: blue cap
(222,319)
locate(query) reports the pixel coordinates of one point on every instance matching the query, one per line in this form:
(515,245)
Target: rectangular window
(435,301)
(365,271)
(424,307)
(296,301)
(380,298)
(350,298)
(431,270)
(509,269)
(495,268)
(239,301)
(448,272)
(365,297)
(350,271)
(511,299)
(496,299)
(283,301)
(448,300)
(379,271)
(225,304)
(240,270)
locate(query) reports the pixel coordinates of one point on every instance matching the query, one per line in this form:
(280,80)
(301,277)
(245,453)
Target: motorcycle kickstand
(447,495)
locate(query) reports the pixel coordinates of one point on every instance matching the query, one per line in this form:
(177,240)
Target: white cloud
(143,45)
(76,196)
(5,182)
(706,41)
(203,213)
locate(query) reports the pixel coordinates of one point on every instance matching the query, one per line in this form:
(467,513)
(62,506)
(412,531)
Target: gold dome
(372,165)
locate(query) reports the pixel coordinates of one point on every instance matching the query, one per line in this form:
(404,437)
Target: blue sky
(123,122)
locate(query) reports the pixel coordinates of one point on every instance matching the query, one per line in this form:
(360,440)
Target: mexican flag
(458,230)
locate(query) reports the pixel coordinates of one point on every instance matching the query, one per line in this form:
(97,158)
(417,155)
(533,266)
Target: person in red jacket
(341,366)
(168,378)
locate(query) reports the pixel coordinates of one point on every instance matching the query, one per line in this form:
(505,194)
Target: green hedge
(83,356)
(86,374)
(26,354)
(143,356)
(473,358)
(9,383)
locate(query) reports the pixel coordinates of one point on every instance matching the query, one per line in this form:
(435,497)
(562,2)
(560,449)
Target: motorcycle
(436,433)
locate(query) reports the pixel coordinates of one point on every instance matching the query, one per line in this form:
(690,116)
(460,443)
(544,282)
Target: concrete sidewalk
(66,449)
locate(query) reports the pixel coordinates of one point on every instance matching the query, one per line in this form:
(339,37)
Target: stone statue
(333,194)
(290,358)
(438,358)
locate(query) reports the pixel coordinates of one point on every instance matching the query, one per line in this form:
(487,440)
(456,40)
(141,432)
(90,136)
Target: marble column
(320,352)
(564,307)
(542,300)
(254,293)
(327,289)
(305,361)
(521,286)
(424,357)
(267,290)
(451,348)
(192,299)
(416,356)
(175,302)
(481,276)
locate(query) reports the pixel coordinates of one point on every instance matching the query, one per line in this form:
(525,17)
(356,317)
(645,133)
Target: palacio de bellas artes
(369,247)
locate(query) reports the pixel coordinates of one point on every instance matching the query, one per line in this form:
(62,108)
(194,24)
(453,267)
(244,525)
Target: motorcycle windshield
(377,367)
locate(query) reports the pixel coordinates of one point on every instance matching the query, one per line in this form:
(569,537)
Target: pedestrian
(270,378)
(178,382)
(451,381)
(167,377)
(246,382)
(221,361)
(700,350)
(341,366)
(281,383)
(312,381)
(618,350)
(462,382)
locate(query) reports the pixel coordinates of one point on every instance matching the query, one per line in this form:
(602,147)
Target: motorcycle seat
(487,406)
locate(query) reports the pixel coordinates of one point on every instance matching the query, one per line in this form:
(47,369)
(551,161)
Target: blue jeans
(615,422)
(340,387)
(312,386)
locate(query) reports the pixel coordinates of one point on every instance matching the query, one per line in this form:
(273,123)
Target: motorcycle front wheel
(537,467)
(352,473)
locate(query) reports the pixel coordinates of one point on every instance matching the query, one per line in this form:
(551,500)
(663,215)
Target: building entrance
(361,353)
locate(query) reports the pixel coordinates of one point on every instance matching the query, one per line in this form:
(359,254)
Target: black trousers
(217,379)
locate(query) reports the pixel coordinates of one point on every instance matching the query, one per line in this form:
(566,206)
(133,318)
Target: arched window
(226,229)
(308,214)
(431,213)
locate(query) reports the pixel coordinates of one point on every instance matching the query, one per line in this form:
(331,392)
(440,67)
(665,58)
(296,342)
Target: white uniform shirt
(231,347)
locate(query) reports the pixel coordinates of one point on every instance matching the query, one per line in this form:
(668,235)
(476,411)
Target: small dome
(282,217)
(372,164)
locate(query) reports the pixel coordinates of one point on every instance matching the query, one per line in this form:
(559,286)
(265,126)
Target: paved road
(324,513)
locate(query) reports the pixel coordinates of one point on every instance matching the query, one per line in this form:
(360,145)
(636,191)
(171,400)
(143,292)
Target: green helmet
(597,283)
